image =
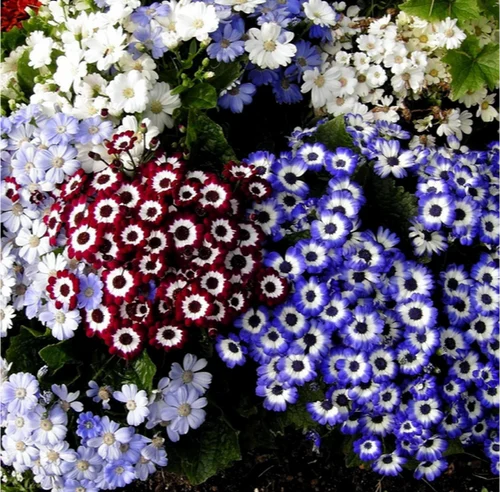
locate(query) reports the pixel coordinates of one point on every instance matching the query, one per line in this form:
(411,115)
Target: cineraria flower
(389,464)
(135,402)
(390,160)
(67,399)
(184,409)
(62,321)
(196,20)
(119,473)
(227,43)
(230,350)
(110,439)
(277,395)
(188,374)
(269,46)
(128,92)
(51,428)
(237,96)
(100,394)
(20,393)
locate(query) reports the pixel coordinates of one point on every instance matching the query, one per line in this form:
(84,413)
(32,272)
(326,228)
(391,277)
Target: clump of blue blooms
(405,355)
(39,425)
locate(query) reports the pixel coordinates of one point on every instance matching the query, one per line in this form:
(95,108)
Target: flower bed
(299,197)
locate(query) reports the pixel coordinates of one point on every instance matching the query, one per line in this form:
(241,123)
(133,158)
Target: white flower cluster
(371,72)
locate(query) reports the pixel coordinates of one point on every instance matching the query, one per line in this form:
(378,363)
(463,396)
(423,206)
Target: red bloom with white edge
(186,194)
(131,235)
(63,288)
(186,231)
(150,266)
(54,222)
(129,194)
(121,142)
(100,320)
(106,180)
(82,241)
(127,342)
(105,210)
(167,335)
(163,181)
(74,185)
(235,172)
(256,189)
(151,211)
(120,284)
(271,288)
(11,188)
(216,283)
(207,254)
(251,236)
(157,242)
(215,197)
(223,231)
(192,306)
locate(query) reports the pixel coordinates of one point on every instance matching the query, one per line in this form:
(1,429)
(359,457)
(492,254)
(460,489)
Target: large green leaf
(225,74)
(58,354)
(26,74)
(472,67)
(351,458)
(201,96)
(205,139)
(23,351)
(215,447)
(145,370)
(333,134)
(10,40)
(440,9)
(489,8)
(297,415)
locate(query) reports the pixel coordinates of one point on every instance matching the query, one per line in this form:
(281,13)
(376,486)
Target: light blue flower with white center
(418,312)
(315,254)
(184,409)
(331,228)
(342,162)
(87,465)
(94,130)
(436,211)
(364,329)
(20,393)
(89,426)
(60,129)
(71,485)
(23,165)
(110,439)
(57,162)
(67,400)
(189,374)
(341,201)
(296,368)
(119,473)
(91,291)
(51,428)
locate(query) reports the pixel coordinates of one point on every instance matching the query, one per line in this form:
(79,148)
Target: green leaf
(489,8)
(145,370)
(10,40)
(201,96)
(205,139)
(216,446)
(472,68)
(454,447)
(297,415)
(333,134)
(57,355)
(434,10)
(26,74)
(23,351)
(225,74)
(36,333)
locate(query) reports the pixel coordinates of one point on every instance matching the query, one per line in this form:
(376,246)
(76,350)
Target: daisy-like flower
(269,46)
(167,336)
(277,395)
(119,473)
(100,394)
(389,464)
(448,35)
(20,393)
(106,47)
(62,321)
(426,412)
(331,228)
(230,350)
(391,160)
(67,400)
(111,438)
(323,85)
(161,105)
(368,448)
(136,402)
(51,428)
(320,12)
(189,374)
(33,243)
(436,210)
(128,92)
(310,296)
(184,409)
(127,342)
(196,20)
(430,469)
(324,412)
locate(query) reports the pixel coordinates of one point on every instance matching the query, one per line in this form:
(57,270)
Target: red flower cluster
(14,12)
(171,246)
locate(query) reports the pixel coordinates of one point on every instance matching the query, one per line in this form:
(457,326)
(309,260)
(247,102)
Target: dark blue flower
(237,97)
(227,43)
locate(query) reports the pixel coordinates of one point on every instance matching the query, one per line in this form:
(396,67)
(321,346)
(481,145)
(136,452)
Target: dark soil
(296,468)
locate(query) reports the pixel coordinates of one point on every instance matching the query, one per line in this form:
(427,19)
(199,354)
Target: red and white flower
(167,336)
(192,306)
(271,288)
(120,284)
(186,231)
(126,342)
(63,288)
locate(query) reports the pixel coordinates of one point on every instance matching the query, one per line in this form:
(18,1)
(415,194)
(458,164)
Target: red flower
(167,335)
(271,288)
(121,142)
(63,288)
(14,12)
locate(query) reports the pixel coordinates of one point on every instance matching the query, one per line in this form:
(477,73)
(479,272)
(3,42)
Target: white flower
(269,46)
(128,92)
(473,98)
(450,124)
(41,49)
(32,242)
(486,110)
(448,35)
(319,12)
(62,322)
(196,20)
(161,106)
(376,76)
(106,47)
(322,85)
(67,399)
(70,69)
(7,314)
(245,6)
(144,64)
(136,402)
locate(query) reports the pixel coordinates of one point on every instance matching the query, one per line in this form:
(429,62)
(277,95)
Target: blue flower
(296,368)
(353,367)
(289,319)
(119,473)
(184,409)
(60,129)
(286,92)
(144,15)
(286,174)
(230,350)
(417,312)
(289,266)
(227,43)
(430,470)
(310,296)
(368,448)
(262,76)
(94,130)
(88,426)
(237,97)
(91,291)
(336,313)
(149,39)
(332,228)
(364,329)
(390,159)
(342,162)
(389,464)
(277,395)
(324,412)
(436,211)
(315,254)
(273,341)
(307,57)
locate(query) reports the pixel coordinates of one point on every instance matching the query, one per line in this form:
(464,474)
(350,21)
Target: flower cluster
(38,427)
(407,360)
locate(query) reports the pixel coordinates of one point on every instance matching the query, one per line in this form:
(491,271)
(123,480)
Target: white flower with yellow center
(128,92)
(196,20)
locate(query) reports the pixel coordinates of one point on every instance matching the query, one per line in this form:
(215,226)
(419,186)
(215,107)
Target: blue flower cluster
(38,427)
(407,359)
(457,188)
